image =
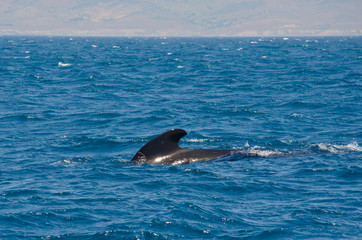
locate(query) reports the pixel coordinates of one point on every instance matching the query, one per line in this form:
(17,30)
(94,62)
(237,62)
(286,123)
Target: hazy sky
(181,17)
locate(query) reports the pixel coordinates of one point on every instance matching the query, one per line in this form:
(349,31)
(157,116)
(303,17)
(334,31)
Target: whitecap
(122,160)
(26,57)
(260,152)
(194,140)
(297,115)
(339,148)
(72,161)
(60,64)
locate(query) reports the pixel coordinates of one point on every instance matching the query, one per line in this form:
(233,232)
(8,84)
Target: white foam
(336,148)
(297,115)
(194,140)
(260,152)
(72,161)
(26,57)
(60,64)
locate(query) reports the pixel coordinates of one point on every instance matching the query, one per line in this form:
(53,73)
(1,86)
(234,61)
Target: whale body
(164,149)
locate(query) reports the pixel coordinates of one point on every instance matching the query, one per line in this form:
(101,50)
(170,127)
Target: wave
(338,148)
(261,152)
(60,64)
(196,140)
(26,57)
(73,161)
(21,117)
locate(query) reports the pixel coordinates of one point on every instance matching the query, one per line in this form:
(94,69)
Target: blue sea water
(74,111)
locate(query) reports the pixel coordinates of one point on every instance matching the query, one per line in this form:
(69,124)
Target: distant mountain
(181,17)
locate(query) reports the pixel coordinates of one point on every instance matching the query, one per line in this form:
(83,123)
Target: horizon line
(176,36)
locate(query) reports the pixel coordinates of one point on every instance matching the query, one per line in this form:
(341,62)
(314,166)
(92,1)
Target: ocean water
(74,111)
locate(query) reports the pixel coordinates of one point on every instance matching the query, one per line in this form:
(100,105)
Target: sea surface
(74,111)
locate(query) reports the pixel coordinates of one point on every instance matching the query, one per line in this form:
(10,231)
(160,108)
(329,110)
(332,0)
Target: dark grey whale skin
(164,149)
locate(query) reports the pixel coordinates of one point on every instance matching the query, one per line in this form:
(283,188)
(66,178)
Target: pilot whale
(164,149)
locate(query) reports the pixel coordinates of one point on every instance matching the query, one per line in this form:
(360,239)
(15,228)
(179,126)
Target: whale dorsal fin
(162,145)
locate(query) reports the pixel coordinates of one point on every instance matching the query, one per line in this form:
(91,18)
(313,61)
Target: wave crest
(260,152)
(336,148)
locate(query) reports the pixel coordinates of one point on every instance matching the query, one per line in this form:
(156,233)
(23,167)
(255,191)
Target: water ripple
(73,112)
